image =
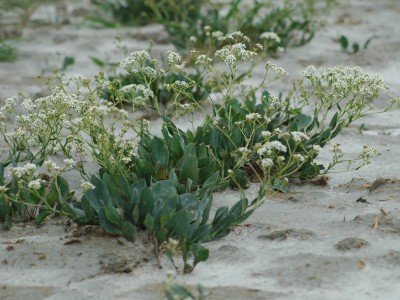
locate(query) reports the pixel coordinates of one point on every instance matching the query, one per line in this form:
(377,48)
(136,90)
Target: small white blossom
(203,60)
(266,134)
(3,189)
(253,116)
(268,147)
(298,157)
(244,151)
(35,184)
(51,165)
(316,148)
(126,159)
(299,136)
(280,158)
(279,72)
(69,162)
(270,36)
(87,186)
(267,162)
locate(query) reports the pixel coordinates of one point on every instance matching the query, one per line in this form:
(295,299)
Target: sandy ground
(339,241)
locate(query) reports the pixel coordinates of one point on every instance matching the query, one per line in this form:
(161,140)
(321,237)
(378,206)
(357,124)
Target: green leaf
(356,47)
(145,170)
(112,215)
(200,253)
(188,168)
(334,120)
(280,185)
(201,234)
(179,223)
(301,122)
(41,216)
(367,42)
(129,231)
(106,225)
(344,42)
(149,223)
(159,153)
(98,61)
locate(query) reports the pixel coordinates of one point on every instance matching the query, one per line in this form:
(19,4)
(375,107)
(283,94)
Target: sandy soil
(339,241)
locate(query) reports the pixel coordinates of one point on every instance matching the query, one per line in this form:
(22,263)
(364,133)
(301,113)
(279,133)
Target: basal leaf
(129,231)
(112,215)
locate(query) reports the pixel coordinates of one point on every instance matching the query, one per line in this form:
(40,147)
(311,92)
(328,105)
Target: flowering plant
(163,184)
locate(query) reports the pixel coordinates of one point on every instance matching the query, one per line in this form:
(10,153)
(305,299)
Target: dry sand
(339,241)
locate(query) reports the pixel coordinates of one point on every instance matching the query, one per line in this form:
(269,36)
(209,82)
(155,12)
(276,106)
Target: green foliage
(180,292)
(176,157)
(188,21)
(163,184)
(355,47)
(123,208)
(27,197)
(7,52)
(67,62)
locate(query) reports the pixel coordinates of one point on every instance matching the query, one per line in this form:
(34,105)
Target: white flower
(279,72)
(244,151)
(28,104)
(299,136)
(150,72)
(203,60)
(298,157)
(266,134)
(316,148)
(3,189)
(126,159)
(87,186)
(230,60)
(174,57)
(368,152)
(51,165)
(253,116)
(219,35)
(69,162)
(27,170)
(35,184)
(270,36)
(267,162)
(268,147)
(134,60)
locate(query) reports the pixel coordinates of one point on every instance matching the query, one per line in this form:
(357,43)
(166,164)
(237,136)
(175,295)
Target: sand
(338,241)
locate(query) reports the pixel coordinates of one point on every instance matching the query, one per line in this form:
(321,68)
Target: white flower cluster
(175,59)
(299,136)
(35,184)
(203,60)
(269,147)
(139,92)
(244,151)
(253,116)
(368,152)
(270,36)
(26,171)
(344,81)
(230,54)
(266,134)
(267,162)
(87,186)
(279,72)
(298,157)
(135,60)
